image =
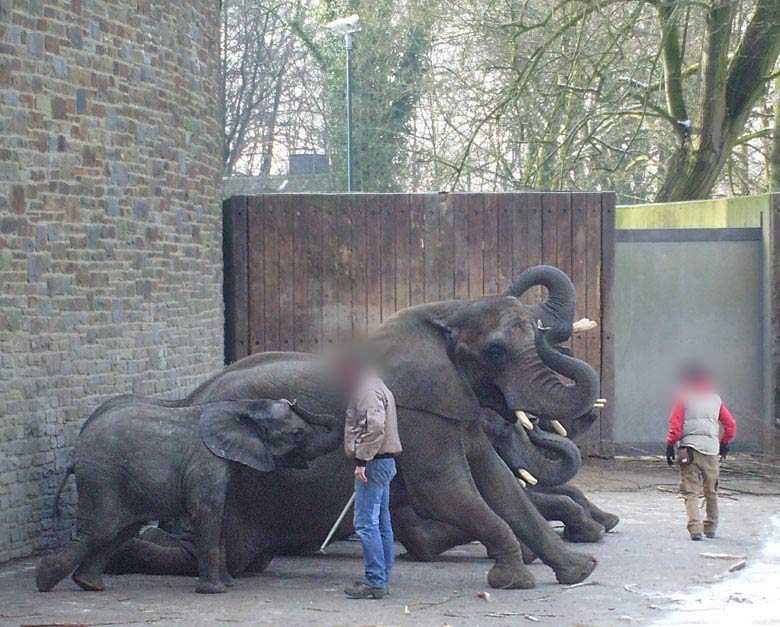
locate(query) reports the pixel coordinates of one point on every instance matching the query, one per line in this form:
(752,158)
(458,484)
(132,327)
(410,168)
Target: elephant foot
(610,521)
(529,557)
(210,587)
(87,582)
(509,573)
(588,532)
(577,570)
(50,571)
(227,580)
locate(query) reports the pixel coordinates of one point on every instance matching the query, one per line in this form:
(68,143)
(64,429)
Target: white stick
(338,521)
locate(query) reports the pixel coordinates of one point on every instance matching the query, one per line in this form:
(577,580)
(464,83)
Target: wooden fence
(303,271)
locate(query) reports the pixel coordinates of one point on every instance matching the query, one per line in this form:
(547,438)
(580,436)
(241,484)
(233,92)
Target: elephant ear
(233,435)
(417,367)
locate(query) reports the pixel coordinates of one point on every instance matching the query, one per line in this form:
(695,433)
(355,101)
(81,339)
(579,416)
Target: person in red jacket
(695,423)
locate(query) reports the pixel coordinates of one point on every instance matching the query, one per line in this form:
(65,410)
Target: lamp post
(347,26)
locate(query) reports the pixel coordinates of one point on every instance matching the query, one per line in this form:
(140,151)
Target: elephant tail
(55,506)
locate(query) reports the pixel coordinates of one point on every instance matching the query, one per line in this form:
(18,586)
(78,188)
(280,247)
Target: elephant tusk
(527,476)
(559,428)
(521,482)
(524,420)
(581,326)
(601,401)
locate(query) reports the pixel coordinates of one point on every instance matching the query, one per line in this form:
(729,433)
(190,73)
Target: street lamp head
(344,25)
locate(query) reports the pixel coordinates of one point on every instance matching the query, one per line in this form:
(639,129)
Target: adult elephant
(557,314)
(444,362)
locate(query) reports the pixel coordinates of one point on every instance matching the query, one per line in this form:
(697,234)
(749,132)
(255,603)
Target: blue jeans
(372,521)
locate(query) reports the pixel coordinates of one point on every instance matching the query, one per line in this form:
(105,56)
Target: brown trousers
(701,476)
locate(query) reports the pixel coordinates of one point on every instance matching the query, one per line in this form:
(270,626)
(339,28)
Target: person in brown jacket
(371,439)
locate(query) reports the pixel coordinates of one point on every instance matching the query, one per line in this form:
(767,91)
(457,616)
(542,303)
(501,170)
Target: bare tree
(728,89)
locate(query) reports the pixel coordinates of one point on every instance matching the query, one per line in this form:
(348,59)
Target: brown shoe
(363,591)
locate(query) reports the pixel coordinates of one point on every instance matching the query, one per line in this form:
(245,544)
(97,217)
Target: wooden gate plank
(402,261)
(416,248)
(359,263)
(387,254)
(330,247)
(344,252)
(607,320)
(236,279)
(300,266)
(272,286)
(563,228)
(591,440)
(314,274)
(286,282)
(475,240)
(446,249)
(579,242)
(374,265)
(256,273)
(431,241)
(534,240)
(520,243)
(460,225)
(489,244)
(505,256)
(550,228)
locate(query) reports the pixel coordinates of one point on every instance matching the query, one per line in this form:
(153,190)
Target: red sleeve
(729,424)
(676,420)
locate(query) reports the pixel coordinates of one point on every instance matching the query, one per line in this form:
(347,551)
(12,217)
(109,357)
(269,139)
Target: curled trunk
(562,401)
(557,312)
(551,458)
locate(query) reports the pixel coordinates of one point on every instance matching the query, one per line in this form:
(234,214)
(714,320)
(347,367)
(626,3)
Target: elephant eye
(496,355)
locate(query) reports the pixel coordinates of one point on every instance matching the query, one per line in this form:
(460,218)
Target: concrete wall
(677,300)
(110,227)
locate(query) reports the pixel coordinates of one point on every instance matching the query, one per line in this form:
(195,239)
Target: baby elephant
(138,460)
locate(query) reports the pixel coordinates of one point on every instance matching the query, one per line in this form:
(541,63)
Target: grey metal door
(684,294)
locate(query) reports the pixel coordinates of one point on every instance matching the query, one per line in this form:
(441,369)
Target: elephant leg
(141,555)
(425,539)
(206,504)
(224,575)
(440,487)
(607,520)
(89,574)
(261,562)
(500,489)
(578,525)
(99,520)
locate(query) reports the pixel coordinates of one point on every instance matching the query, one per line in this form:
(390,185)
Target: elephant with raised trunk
(444,363)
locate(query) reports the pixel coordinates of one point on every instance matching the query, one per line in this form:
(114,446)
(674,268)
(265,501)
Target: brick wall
(110,227)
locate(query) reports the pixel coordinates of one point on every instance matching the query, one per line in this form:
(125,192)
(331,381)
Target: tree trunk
(774,157)
(728,93)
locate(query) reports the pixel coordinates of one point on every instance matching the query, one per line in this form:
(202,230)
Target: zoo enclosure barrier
(303,271)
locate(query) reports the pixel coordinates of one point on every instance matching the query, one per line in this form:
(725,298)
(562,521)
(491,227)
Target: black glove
(724,450)
(669,454)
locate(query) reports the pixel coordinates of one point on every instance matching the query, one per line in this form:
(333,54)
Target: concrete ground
(643,566)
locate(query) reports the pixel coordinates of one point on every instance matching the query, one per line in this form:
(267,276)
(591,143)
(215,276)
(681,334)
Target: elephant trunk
(552,459)
(317,420)
(562,401)
(557,312)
